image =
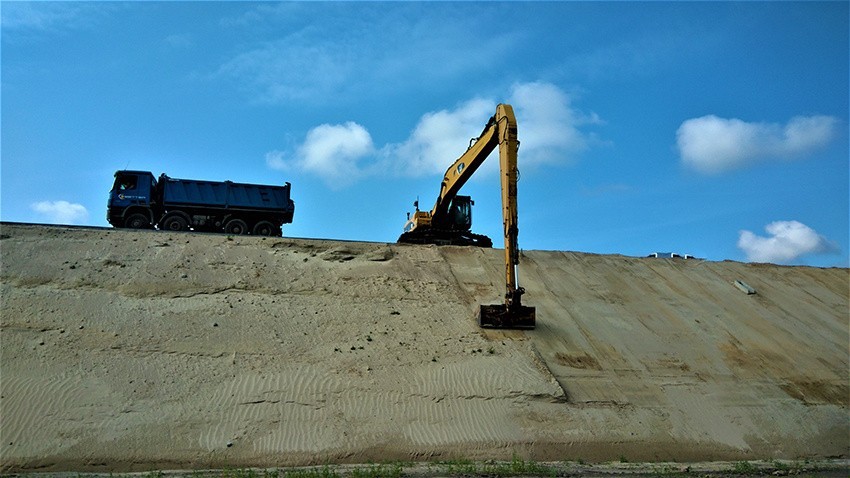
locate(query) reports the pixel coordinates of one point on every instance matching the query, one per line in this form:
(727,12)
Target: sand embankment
(129,350)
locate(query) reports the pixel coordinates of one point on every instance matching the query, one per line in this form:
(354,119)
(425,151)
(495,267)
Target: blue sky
(714,129)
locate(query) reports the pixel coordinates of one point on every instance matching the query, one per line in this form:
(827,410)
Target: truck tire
(175,222)
(137,221)
(264,228)
(236,227)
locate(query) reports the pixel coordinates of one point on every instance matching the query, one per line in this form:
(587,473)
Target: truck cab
(131,199)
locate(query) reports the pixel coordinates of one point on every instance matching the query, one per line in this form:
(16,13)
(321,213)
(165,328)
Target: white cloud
(787,241)
(710,144)
(179,40)
(548,131)
(548,123)
(61,212)
(278,160)
(341,52)
(280,71)
(52,16)
(331,152)
(439,139)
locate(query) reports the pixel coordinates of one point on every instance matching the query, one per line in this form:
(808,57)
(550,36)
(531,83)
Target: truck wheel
(236,227)
(137,221)
(264,228)
(175,223)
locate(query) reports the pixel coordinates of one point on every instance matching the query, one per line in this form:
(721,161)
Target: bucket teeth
(499,316)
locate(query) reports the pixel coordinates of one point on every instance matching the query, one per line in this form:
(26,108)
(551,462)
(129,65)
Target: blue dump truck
(138,201)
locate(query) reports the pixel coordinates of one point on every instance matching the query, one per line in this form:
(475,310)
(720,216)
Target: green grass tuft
(323,472)
(516,467)
(743,468)
(378,471)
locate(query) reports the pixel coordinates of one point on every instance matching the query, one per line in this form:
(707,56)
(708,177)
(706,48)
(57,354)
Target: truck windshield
(125,183)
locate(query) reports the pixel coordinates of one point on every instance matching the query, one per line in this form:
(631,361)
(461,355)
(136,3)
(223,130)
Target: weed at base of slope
(458,467)
(323,472)
(515,467)
(378,471)
(744,468)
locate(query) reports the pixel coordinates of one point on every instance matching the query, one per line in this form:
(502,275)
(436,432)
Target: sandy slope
(129,350)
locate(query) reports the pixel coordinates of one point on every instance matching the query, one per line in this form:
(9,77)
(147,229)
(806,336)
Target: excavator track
(445,238)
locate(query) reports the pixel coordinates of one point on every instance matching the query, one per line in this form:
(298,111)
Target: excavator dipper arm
(512,314)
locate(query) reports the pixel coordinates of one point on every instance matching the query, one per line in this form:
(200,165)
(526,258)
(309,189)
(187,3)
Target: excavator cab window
(460,212)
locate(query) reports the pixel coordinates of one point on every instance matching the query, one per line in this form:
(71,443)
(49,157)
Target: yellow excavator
(450,220)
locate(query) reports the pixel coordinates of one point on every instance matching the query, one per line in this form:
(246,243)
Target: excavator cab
(460,214)
(451,226)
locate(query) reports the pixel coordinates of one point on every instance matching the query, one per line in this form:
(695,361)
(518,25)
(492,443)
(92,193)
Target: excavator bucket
(500,316)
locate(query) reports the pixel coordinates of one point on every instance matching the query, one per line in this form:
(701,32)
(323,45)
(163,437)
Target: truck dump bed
(226,195)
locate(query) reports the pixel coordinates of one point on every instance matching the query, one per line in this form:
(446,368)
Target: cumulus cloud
(439,138)
(548,132)
(711,144)
(548,123)
(787,241)
(329,151)
(61,212)
(548,128)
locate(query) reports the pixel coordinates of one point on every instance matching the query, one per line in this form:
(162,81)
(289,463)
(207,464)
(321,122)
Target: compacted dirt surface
(135,350)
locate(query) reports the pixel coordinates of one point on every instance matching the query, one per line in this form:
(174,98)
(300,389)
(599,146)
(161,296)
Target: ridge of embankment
(127,350)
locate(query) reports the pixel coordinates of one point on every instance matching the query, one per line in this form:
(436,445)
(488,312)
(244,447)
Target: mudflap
(499,316)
